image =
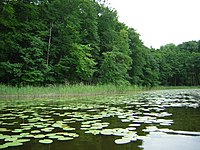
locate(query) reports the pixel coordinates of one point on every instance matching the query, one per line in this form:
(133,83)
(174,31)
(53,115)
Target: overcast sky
(160,22)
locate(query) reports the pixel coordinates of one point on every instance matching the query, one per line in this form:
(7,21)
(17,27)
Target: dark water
(166,120)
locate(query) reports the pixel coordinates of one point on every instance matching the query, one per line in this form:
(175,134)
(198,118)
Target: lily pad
(64,138)
(94,132)
(39,136)
(131,128)
(14,143)
(122,141)
(85,126)
(134,125)
(17,131)
(4,130)
(46,141)
(68,129)
(3,146)
(10,139)
(4,136)
(73,135)
(23,140)
(35,131)
(55,136)
(50,129)
(107,132)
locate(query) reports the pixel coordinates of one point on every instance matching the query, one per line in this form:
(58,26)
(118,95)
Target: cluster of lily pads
(50,120)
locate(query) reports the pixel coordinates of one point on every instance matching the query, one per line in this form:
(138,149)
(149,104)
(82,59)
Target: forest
(52,42)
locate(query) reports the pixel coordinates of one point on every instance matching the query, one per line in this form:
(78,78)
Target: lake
(154,120)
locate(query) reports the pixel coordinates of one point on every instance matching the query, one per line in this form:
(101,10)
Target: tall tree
(137,55)
(22,38)
(117,62)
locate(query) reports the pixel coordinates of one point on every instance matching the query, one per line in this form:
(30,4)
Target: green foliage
(81,41)
(10,72)
(117,61)
(84,63)
(178,65)
(107,20)
(191,46)
(34,65)
(114,68)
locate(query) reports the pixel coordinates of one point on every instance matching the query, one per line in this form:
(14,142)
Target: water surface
(168,119)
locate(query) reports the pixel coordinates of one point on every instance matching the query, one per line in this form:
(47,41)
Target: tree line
(45,42)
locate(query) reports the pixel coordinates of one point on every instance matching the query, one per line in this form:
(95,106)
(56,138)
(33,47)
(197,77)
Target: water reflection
(185,119)
(157,141)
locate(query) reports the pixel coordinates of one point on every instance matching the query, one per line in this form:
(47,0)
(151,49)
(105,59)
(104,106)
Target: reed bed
(65,91)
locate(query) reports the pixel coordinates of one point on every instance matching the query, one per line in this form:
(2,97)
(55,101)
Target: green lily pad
(4,136)
(24,134)
(46,141)
(39,126)
(3,146)
(50,129)
(23,140)
(35,131)
(131,128)
(94,132)
(64,138)
(10,139)
(125,120)
(17,131)
(165,124)
(14,143)
(4,130)
(68,129)
(73,135)
(50,134)
(107,132)
(134,125)
(29,136)
(39,136)
(55,136)
(122,141)
(85,126)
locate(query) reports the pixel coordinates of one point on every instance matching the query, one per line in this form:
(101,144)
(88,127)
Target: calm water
(151,121)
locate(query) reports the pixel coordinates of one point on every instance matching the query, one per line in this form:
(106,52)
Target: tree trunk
(49,43)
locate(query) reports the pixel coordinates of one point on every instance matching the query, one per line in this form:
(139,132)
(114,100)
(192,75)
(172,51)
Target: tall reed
(65,90)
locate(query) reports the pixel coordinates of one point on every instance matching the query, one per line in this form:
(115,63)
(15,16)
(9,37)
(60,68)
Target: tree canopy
(46,42)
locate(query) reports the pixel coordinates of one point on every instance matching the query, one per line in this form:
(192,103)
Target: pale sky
(161,22)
